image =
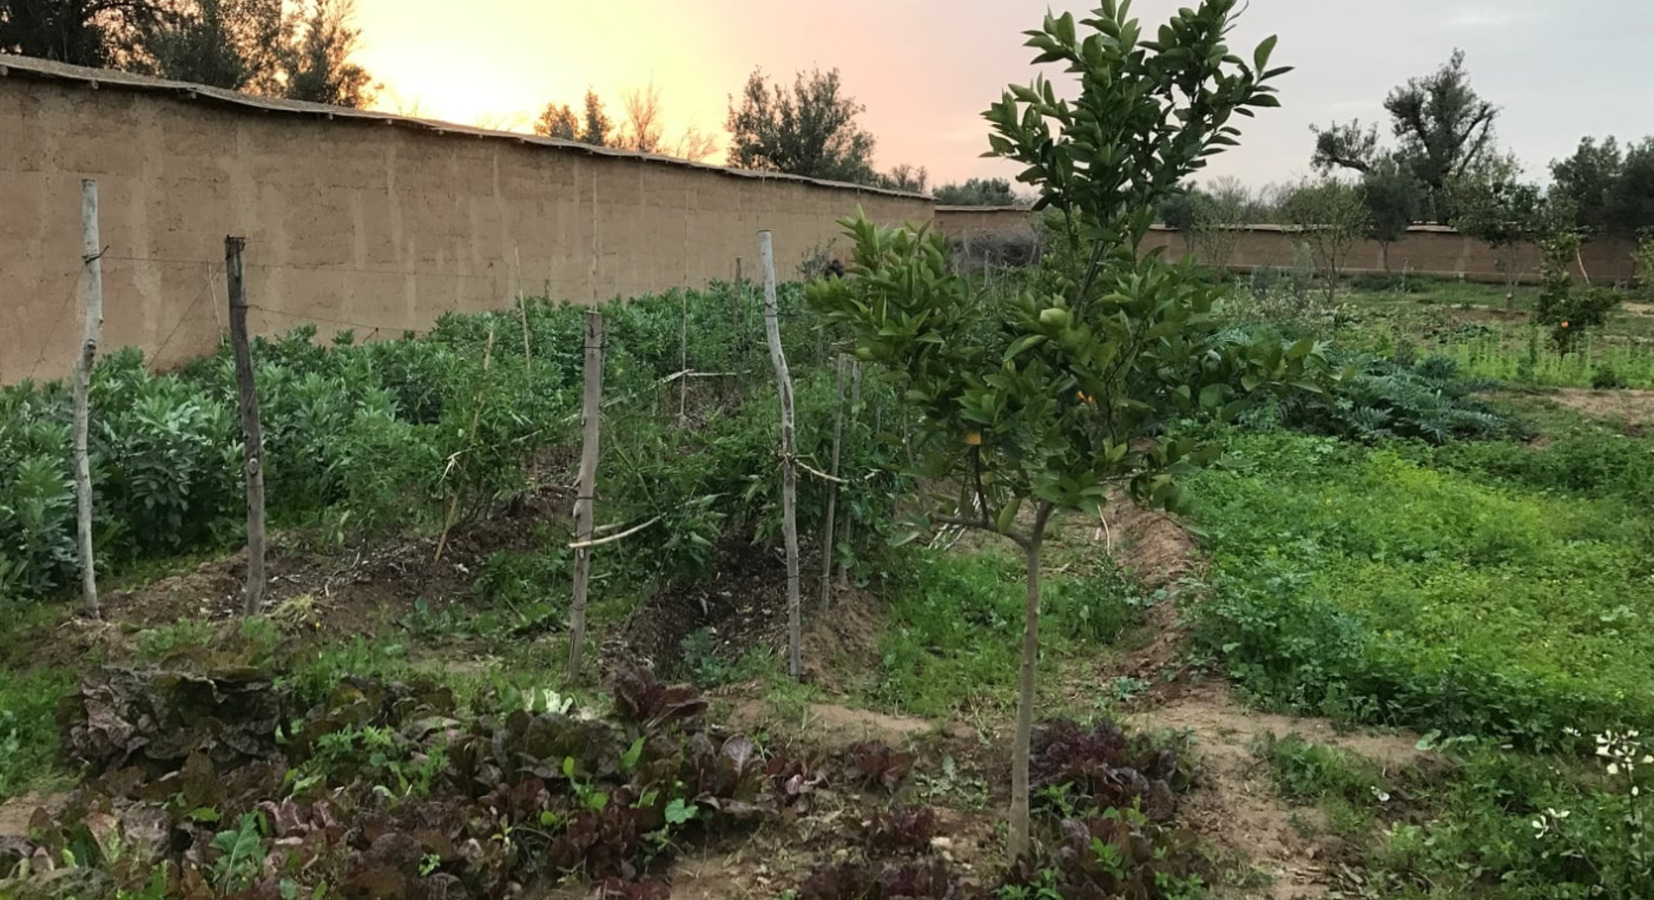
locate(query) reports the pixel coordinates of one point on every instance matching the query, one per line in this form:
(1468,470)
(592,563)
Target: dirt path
(1236,804)
(1633,407)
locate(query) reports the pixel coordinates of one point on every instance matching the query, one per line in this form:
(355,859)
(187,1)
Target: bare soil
(1634,408)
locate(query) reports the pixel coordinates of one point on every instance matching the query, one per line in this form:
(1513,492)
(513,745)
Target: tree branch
(1021,540)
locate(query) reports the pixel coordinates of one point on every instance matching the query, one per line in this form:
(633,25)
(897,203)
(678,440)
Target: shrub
(1604,378)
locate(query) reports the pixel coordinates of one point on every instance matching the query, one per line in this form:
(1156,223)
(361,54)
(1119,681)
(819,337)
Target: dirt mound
(743,602)
(1154,547)
(349,591)
(841,646)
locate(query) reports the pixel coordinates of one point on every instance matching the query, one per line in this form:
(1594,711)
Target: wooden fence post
(832,493)
(252,436)
(522,309)
(591,414)
(92,314)
(855,413)
(789,458)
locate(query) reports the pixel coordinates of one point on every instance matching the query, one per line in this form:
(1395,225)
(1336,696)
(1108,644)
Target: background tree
(1629,210)
(809,130)
(1588,179)
(1330,218)
(595,127)
(642,131)
(1219,216)
(1035,403)
(695,145)
(905,177)
(80,32)
(562,122)
(558,120)
(317,63)
(232,44)
(1442,128)
(977,192)
(1345,146)
(1505,213)
(1393,198)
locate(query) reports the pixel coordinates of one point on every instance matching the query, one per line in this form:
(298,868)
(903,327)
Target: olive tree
(1038,402)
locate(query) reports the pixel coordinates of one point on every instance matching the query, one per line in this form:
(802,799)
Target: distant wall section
(352,221)
(1425,250)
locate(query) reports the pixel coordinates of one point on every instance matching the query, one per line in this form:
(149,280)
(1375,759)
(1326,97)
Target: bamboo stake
(832,494)
(92,314)
(789,460)
(591,416)
(855,413)
(252,431)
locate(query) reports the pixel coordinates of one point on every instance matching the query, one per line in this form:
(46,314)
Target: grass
(1515,356)
(954,636)
(1451,603)
(28,730)
(1468,323)
(1307,772)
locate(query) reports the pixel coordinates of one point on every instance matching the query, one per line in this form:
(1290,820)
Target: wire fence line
(64,311)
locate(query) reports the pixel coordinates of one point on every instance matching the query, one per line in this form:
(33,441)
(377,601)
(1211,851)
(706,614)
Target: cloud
(1486,17)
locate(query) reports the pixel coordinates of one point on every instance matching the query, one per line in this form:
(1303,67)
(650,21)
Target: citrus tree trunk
(1019,836)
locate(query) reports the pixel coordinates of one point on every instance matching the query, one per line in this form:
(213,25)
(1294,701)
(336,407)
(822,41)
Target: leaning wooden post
(832,493)
(252,436)
(92,296)
(591,409)
(789,459)
(855,410)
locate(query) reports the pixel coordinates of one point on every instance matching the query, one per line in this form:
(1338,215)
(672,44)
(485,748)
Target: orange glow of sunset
(498,62)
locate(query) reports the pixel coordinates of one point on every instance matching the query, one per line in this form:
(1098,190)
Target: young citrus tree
(1038,402)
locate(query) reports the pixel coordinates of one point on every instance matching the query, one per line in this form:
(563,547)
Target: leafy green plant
(708,668)
(1381,400)
(240,854)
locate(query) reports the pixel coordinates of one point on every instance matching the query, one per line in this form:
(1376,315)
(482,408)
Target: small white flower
(1635,790)
(1613,768)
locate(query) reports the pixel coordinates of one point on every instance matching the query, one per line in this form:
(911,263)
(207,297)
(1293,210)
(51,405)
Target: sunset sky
(926,69)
